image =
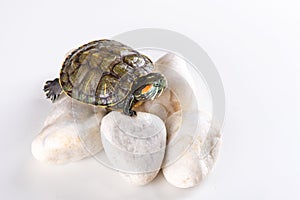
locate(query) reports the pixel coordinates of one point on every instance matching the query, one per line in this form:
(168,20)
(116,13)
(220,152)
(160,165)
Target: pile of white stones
(141,146)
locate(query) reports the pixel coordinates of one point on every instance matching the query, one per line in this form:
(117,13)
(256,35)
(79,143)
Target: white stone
(162,107)
(139,178)
(134,145)
(192,149)
(173,125)
(70,133)
(175,70)
(159,110)
(197,161)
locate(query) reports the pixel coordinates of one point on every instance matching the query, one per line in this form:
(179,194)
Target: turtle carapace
(109,74)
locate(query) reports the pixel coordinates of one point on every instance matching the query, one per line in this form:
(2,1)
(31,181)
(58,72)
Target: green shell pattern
(102,72)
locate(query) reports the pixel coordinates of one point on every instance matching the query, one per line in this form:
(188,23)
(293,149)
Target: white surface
(255,46)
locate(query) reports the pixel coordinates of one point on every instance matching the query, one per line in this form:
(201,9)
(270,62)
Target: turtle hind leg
(52,89)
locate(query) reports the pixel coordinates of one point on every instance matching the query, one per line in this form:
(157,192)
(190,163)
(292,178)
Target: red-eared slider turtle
(109,74)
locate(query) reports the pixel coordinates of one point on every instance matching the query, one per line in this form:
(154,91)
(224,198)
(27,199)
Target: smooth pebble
(198,160)
(70,132)
(135,146)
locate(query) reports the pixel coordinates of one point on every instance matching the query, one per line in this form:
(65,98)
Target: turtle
(108,74)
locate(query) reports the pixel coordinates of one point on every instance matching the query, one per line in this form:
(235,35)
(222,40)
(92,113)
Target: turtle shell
(102,72)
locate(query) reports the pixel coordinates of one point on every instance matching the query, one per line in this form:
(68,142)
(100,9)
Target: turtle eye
(156,84)
(134,60)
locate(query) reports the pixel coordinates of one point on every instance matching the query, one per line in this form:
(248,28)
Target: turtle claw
(52,89)
(48,82)
(130,113)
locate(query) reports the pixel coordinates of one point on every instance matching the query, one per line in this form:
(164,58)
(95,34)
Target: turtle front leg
(128,104)
(52,89)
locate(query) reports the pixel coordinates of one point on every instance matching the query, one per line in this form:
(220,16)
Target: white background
(255,45)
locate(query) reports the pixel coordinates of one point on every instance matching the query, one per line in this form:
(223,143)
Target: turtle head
(149,87)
